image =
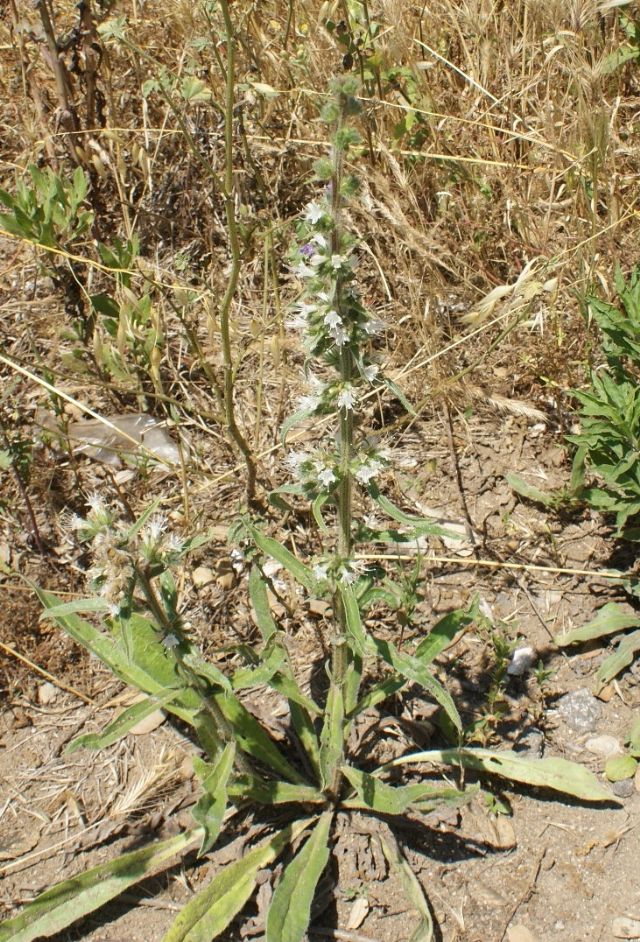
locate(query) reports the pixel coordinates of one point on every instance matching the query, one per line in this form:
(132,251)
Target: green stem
(234,246)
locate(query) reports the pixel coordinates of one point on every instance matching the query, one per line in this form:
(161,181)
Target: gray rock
(580,710)
(623,789)
(531,743)
(604,746)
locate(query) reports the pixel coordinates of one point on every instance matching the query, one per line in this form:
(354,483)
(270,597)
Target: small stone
(202,576)
(624,789)
(522,660)
(531,743)
(604,746)
(149,723)
(47,693)
(625,928)
(580,710)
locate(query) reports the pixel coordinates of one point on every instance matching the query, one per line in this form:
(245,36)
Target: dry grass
(511,189)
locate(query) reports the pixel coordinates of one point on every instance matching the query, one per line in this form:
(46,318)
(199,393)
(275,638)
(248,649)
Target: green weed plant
(142,638)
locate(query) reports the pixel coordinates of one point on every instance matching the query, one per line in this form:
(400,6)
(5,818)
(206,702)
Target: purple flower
(307,250)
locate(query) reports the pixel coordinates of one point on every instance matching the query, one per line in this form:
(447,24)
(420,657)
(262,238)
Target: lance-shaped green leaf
(260,602)
(210,809)
(376,795)
(609,619)
(66,902)
(316,510)
(295,419)
(622,657)
(414,892)
(144,664)
(443,633)
(77,606)
(557,774)
(281,554)
(411,668)
(420,526)
(379,692)
(269,792)
(332,735)
(290,910)
(122,724)
(210,912)
(274,656)
(353,623)
(252,738)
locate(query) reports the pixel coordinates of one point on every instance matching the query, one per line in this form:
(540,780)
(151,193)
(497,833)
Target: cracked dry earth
(548,869)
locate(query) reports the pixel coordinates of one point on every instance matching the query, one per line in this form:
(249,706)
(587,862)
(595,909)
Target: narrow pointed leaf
(210,912)
(281,554)
(622,657)
(332,736)
(210,809)
(377,795)
(290,909)
(609,619)
(260,602)
(412,888)
(442,634)
(557,774)
(65,903)
(252,788)
(123,723)
(355,632)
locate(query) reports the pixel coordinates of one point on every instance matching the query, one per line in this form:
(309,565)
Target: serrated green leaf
(212,909)
(123,723)
(609,619)
(290,909)
(66,902)
(557,774)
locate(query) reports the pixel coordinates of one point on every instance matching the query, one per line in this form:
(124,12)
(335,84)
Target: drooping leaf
(420,526)
(212,909)
(290,909)
(557,774)
(66,902)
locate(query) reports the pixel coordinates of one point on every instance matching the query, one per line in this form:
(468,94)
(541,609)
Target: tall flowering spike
(336,327)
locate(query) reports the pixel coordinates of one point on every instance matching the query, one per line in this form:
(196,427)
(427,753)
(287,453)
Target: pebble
(531,743)
(580,710)
(624,789)
(202,576)
(47,693)
(522,660)
(625,928)
(604,746)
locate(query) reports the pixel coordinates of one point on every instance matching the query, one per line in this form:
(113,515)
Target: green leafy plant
(143,639)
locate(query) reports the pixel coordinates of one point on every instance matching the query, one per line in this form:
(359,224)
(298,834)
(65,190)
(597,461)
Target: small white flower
(346,398)
(339,335)
(155,527)
(303,271)
(305,308)
(308,403)
(332,319)
(97,504)
(114,609)
(337,261)
(171,641)
(320,240)
(295,460)
(174,544)
(347,577)
(320,572)
(296,323)
(314,213)
(371,371)
(326,477)
(368,471)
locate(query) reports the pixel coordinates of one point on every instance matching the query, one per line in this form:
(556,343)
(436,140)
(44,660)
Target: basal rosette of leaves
(317,777)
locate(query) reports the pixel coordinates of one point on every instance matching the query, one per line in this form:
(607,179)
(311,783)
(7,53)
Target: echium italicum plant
(143,640)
